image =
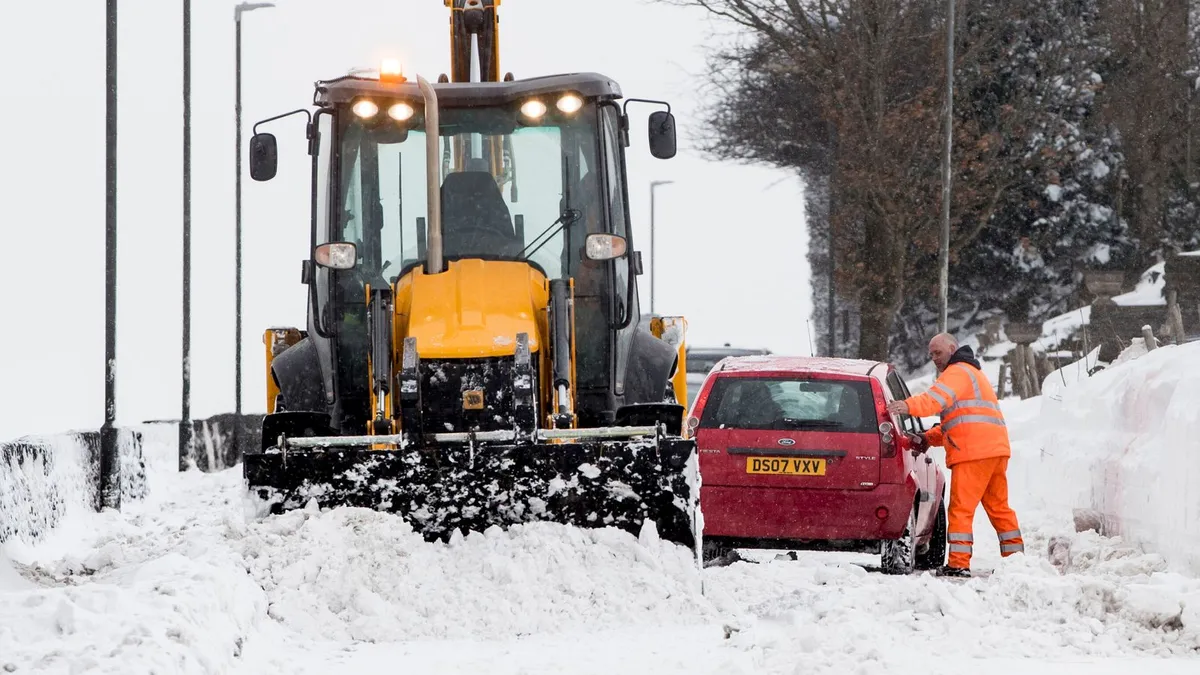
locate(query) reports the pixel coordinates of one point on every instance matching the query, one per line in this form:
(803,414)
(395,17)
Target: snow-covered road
(182,582)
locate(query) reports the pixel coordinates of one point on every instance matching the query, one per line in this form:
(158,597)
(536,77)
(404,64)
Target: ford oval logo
(786,441)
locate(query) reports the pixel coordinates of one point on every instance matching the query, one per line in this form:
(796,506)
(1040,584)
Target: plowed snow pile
(1125,442)
(355,574)
(181,582)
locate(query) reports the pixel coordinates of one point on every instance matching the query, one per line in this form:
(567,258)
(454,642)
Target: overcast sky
(731,237)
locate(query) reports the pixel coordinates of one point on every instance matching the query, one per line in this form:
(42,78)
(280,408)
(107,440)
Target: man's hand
(898,408)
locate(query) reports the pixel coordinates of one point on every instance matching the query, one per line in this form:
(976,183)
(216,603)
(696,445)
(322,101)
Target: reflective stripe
(971,403)
(965,419)
(954,536)
(974,380)
(945,391)
(1010,548)
(938,397)
(1005,536)
(960,548)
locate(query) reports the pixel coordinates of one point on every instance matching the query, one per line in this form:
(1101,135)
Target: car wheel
(935,556)
(899,554)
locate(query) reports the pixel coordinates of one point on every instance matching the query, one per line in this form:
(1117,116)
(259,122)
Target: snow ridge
(359,575)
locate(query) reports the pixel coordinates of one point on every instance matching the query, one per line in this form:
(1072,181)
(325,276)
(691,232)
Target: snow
(358,575)
(1149,289)
(50,483)
(1123,442)
(184,582)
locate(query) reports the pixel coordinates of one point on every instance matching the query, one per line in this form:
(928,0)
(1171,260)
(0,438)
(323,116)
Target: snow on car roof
(807,364)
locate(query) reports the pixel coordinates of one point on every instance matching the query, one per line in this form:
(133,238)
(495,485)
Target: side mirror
(662,134)
(604,246)
(338,255)
(264,157)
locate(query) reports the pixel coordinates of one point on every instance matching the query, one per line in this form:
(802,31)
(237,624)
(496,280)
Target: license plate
(785,466)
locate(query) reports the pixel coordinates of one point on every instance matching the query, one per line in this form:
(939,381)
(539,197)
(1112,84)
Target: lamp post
(653,248)
(108,492)
(185,417)
(237,114)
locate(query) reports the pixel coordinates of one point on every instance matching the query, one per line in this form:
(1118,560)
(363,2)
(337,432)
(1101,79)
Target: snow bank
(152,588)
(360,575)
(167,614)
(43,478)
(1126,443)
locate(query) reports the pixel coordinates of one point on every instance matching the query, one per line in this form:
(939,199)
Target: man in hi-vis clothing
(973,432)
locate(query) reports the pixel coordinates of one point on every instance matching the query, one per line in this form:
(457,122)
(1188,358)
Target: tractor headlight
(337,255)
(604,246)
(365,109)
(400,111)
(570,103)
(533,108)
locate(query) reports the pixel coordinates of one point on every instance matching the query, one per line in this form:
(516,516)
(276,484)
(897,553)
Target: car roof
(799,364)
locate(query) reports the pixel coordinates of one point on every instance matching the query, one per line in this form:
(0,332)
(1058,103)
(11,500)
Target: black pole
(944,240)
(652,247)
(108,494)
(237,397)
(832,299)
(185,422)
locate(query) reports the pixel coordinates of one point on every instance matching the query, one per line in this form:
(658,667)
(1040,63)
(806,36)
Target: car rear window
(789,404)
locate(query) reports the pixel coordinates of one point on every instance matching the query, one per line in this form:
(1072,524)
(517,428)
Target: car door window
(900,392)
(920,426)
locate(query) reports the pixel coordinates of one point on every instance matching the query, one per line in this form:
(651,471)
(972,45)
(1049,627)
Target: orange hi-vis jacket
(972,425)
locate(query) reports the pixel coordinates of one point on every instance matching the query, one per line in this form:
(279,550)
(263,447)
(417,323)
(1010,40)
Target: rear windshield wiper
(799,423)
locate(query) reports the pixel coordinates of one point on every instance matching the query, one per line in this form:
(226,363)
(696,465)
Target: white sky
(731,237)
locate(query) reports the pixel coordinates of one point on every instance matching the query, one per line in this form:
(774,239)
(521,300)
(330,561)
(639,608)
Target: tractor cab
(474,352)
(530,172)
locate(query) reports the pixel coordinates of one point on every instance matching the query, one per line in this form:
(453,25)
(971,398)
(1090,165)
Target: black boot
(948,571)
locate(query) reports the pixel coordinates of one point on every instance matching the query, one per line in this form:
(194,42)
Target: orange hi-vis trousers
(972,482)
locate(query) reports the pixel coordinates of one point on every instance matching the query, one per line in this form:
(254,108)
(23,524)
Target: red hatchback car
(801,453)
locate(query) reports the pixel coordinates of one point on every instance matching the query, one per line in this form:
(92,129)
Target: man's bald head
(941,348)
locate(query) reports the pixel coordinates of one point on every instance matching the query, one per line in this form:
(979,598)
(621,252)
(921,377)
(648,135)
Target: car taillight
(888,434)
(887,440)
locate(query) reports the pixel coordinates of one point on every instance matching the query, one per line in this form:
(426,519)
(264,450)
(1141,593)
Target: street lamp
(185,362)
(653,184)
(109,494)
(237,20)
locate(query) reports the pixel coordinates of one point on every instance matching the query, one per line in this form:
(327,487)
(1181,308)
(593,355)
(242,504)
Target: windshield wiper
(799,423)
(568,217)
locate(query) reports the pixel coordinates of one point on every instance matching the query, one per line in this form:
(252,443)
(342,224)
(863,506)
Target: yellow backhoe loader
(474,353)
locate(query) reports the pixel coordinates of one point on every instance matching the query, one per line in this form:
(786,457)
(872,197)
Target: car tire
(935,556)
(899,555)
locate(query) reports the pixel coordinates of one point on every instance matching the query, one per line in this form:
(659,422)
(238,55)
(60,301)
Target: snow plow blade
(594,483)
